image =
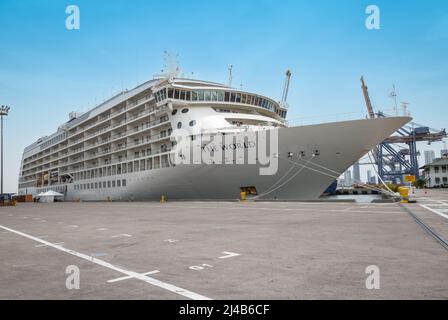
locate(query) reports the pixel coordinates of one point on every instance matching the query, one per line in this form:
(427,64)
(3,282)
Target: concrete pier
(250,250)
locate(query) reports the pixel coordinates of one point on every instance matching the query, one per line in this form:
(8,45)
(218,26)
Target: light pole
(3,112)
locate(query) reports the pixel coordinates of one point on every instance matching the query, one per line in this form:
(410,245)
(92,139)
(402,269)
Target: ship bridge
(195,92)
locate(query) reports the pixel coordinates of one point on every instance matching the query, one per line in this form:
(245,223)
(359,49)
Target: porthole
(192,123)
(185,110)
(174,112)
(179,125)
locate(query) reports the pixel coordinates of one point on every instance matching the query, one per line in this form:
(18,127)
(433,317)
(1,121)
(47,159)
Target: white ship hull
(339,144)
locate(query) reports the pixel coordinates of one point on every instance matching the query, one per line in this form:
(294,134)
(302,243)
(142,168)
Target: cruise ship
(125,149)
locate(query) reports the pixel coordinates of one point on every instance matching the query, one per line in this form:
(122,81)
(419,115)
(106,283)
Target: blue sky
(47,71)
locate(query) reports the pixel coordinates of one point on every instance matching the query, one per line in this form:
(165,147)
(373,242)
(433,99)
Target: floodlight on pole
(3,112)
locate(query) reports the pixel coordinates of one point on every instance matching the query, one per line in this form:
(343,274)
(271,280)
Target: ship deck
(228,250)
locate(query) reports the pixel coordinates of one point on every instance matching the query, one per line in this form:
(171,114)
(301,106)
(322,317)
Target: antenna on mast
(230,79)
(393,95)
(404,106)
(171,69)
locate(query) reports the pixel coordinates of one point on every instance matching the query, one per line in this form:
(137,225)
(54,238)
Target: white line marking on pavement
(122,235)
(171,240)
(229,255)
(308,210)
(155,282)
(99,254)
(74,226)
(435,211)
(101,229)
(46,245)
(129,277)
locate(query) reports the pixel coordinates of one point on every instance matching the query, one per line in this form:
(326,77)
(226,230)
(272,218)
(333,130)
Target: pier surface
(220,250)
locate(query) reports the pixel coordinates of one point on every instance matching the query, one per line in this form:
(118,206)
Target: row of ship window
(214,95)
(51,141)
(63,136)
(101,185)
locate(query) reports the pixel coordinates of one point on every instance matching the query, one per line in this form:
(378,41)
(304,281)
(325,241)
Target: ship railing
(118,112)
(130,145)
(119,161)
(100,119)
(119,123)
(130,132)
(78,150)
(119,148)
(107,117)
(119,135)
(97,132)
(132,103)
(147,126)
(103,118)
(112,114)
(75,142)
(139,115)
(74,151)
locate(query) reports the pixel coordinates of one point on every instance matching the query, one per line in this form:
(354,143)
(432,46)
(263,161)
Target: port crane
(286,87)
(397,156)
(365,91)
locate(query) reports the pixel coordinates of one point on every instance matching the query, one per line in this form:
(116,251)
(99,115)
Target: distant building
(429,156)
(370,178)
(436,173)
(356,173)
(348,178)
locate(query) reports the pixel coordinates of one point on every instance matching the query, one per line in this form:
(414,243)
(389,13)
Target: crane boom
(367,99)
(286,87)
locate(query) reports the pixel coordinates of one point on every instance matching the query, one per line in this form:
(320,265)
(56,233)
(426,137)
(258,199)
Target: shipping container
(421,130)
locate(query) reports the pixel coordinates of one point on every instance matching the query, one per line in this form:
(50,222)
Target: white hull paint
(339,144)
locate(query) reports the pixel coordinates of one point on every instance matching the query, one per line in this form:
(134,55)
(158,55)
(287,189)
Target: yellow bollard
(162,199)
(243,196)
(404,193)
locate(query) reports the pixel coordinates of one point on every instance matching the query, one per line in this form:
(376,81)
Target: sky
(47,71)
